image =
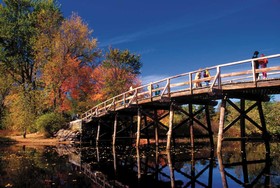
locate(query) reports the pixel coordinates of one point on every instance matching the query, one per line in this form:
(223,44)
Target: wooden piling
(221,126)
(138,163)
(97,153)
(191,125)
(98,133)
(138,127)
(193,171)
(115,159)
(156,127)
(242,141)
(171,170)
(147,130)
(169,133)
(222,171)
(208,120)
(115,129)
(157,162)
(242,127)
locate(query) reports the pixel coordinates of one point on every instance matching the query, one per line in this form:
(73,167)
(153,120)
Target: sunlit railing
(235,72)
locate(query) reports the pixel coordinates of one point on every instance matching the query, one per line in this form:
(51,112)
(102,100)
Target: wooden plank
(236,74)
(179,84)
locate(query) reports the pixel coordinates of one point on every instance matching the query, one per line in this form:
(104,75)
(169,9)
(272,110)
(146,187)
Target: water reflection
(252,166)
(150,166)
(186,167)
(156,167)
(24,166)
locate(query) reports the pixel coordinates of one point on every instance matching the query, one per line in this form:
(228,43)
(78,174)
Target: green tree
(5,87)
(15,40)
(19,52)
(120,70)
(272,111)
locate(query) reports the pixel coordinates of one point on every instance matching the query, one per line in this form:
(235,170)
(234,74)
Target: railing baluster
(219,77)
(168,87)
(253,71)
(190,83)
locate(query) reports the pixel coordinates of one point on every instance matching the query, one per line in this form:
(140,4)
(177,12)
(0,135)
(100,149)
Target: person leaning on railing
(256,63)
(157,92)
(206,74)
(263,63)
(197,77)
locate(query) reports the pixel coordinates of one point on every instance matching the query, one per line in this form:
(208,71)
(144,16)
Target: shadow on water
(147,166)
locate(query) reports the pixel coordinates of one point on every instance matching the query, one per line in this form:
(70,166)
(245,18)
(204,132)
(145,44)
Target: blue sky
(179,36)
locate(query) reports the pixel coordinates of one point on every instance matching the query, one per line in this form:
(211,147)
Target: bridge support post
(156,127)
(98,133)
(208,120)
(146,130)
(115,159)
(171,169)
(191,125)
(115,129)
(169,133)
(222,171)
(138,163)
(138,127)
(221,126)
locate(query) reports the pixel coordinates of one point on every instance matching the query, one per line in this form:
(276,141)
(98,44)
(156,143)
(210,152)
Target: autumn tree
(272,111)
(19,34)
(15,44)
(47,20)
(18,38)
(70,65)
(118,71)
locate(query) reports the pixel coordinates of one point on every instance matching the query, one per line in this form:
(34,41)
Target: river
(147,166)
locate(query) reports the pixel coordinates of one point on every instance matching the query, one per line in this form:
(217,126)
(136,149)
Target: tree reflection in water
(22,166)
(149,166)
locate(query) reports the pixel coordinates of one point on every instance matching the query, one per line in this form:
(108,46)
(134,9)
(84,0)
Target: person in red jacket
(263,63)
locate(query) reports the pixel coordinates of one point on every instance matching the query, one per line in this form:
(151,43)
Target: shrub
(50,123)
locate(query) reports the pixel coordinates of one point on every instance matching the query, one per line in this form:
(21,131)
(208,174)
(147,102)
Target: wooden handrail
(186,80)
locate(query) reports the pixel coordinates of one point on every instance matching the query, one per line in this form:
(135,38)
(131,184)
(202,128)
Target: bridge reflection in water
(182,166)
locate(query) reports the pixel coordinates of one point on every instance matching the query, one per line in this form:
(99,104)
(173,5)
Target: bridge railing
(234,72)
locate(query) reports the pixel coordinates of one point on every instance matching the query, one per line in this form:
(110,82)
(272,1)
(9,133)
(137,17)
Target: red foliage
(67,80)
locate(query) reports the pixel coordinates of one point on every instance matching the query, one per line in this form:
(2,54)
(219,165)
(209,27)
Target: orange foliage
(66,80)
(110,82)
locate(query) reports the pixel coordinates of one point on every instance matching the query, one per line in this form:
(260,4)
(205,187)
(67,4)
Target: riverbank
(34,139)
(31,139)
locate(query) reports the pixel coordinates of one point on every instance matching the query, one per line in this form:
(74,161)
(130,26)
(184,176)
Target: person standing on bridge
(150,89)
(263,63)
(197,77)
(256,64)
(206,74)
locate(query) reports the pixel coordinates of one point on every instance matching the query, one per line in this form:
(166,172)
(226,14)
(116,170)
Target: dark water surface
(149,166)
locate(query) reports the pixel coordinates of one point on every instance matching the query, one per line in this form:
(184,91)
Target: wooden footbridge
(142,111)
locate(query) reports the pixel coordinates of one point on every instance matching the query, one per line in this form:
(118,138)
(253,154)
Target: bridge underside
(157,119)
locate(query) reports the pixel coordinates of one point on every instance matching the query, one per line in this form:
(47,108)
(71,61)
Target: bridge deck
(237,79)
